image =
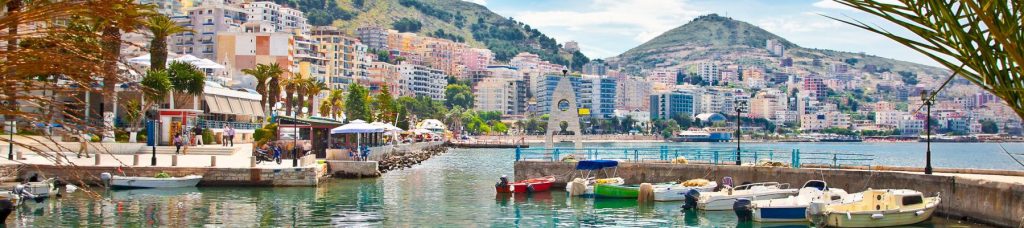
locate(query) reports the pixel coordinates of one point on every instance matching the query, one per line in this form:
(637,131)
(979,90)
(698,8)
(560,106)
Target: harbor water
(451,190)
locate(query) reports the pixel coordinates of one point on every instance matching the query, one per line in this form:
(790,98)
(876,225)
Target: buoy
(646,193)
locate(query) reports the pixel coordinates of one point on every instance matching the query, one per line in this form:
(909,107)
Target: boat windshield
(820,185)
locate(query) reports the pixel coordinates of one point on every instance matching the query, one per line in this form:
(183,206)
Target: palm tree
(337,102)
(13,12)
(186,79)
(274,86)
(161,26)
(313,88)
(113,18)
(262,73)
(978,40)
(290,85)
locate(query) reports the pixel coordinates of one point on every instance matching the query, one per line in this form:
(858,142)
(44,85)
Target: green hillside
(449,19)
(710,30)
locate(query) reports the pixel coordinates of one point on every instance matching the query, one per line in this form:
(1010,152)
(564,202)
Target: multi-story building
(910,126)
(824,120)
(238,51)
(504,95)
(661,79)
(709,73)
(601,96)
(171,8)
(595,68)
(816,86)
(546,86)
(340,55)
(309,60)
(775,47)
(276,18)
(571,46)
(889,117)
(668,104)
(633,94)
(206,21)
(766,103)
(389,75)
(374,37)
(423,80)
(476,58)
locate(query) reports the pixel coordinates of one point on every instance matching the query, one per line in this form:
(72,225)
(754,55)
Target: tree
(155,86)
(458,95)
(909,78)
(337,102)
(406,24)
(977,40)
(113,18)
(357,103)
(313,88)
(161,26)
(386,106)
(262,73)
(290,85)
(989,127)
(185,79)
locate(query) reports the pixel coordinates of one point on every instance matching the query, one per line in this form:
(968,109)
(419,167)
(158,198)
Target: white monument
(563,108)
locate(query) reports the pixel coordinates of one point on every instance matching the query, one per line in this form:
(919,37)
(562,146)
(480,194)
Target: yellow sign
(584,111)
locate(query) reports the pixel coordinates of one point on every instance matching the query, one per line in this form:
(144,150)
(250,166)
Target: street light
(10,144)
(739,134)
(926,97)
(295,138)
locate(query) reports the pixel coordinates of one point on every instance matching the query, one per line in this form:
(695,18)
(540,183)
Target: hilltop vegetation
(447,19)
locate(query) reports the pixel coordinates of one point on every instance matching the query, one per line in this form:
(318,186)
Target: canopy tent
(357,127)
(198,62)
(386,126)
(596,164)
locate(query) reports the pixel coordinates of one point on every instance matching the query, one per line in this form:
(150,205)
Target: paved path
(238,160)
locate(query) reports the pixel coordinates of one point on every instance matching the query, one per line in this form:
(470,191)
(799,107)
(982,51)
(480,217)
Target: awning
(596,164)
(236,107)
(211,103)
(225,108)
(357,126)
(256,109)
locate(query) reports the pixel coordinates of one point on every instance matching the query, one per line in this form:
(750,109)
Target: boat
(880,207)
(154,182)
(678,192)
(724,199)
(793,208)
(701,136)
(539,184)
(624,191)
(588,177)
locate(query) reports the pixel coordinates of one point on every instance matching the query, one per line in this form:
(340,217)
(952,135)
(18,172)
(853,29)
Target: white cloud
(829,4)
(480,2)
(640,20)
(803,23)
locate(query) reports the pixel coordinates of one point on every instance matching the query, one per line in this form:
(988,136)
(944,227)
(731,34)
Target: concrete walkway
(241,159)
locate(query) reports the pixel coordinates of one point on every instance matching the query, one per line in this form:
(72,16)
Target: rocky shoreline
(402,160)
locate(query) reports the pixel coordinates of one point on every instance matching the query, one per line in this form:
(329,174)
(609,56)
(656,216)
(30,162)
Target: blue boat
(793,208)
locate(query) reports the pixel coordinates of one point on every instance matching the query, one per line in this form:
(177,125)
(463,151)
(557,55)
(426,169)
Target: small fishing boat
(584,185)
(678,192)
(881,207)
(793,208)
(154,182)
(539,184)
(625,191)
(725,198)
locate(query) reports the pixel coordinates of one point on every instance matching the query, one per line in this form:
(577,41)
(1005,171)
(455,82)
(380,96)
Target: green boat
(617,191)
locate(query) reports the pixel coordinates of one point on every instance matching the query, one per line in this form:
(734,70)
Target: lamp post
(156,132)
(926,97)
(10,144)
(295,138)
(739,134)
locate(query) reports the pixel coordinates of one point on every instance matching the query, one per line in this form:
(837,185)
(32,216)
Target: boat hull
(542,184)
(781,214)
(676,193)
(121,182)
(616,191)
(887,219)
(725,202)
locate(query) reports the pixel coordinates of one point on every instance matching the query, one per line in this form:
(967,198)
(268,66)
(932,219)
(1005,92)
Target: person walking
(230,135)
(177,143)
(83,143)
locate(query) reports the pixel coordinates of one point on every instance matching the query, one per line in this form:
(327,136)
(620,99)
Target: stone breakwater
(212,176)
(402,160)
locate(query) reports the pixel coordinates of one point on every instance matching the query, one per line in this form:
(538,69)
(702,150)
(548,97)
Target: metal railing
(216,124)
(716,156)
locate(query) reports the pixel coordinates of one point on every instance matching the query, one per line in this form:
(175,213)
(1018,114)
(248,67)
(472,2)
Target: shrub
(207,136)
(95,138)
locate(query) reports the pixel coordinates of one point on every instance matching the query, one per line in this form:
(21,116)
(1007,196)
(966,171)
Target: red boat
(541,184)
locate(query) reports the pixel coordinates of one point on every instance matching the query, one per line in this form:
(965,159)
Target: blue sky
(606,28)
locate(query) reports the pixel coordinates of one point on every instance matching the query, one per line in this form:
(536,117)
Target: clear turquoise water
(451,190)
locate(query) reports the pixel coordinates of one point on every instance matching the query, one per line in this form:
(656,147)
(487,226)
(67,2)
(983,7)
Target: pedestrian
(198,131)
(83,145)
(177,143)
(224,136)
(230,132)
(365,152)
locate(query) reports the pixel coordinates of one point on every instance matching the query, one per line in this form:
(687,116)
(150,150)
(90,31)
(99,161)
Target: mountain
(449,19)
(712,37)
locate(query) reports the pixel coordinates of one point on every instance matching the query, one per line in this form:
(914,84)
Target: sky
(606,28)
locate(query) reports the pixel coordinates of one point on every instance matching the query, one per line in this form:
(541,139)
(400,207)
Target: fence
(698,155)
(216,124)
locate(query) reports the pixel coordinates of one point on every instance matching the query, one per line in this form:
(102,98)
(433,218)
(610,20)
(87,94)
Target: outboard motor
(6,207)
(815,213)
(690,202)
(743,210)
(106,177)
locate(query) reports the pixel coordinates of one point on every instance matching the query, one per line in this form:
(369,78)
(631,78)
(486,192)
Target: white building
(423,81)
(889,118)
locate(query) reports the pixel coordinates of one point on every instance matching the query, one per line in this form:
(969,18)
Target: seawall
(975,198)
(300,176)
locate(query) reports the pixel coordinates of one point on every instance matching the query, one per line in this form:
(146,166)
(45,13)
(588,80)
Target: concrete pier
(990,199)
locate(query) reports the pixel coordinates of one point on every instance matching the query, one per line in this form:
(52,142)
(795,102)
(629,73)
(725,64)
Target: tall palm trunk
(289,93)
(300,99)
(111,51)
(309,97)
(158,50)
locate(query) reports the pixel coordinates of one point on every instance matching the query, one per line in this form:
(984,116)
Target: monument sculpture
(563,108)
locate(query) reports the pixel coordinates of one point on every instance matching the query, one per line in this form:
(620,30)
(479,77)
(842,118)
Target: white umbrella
(357,127)
(186,58)
(207,64)
(141,60)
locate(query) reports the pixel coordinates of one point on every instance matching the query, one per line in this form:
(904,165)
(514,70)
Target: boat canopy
(596,164)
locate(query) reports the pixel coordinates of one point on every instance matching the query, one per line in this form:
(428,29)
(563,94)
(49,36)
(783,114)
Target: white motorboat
(725,198)
(678,192)
(876,208)
(154,182)
(793,208)
(584,185)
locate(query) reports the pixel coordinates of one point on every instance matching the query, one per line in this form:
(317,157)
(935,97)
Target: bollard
(174,160)
(135,160)
(97,156)
(213,161)
(21,155)
(252,161)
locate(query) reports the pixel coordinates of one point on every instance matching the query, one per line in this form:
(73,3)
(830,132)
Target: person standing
(230,135)
(198,131)
(224,136)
